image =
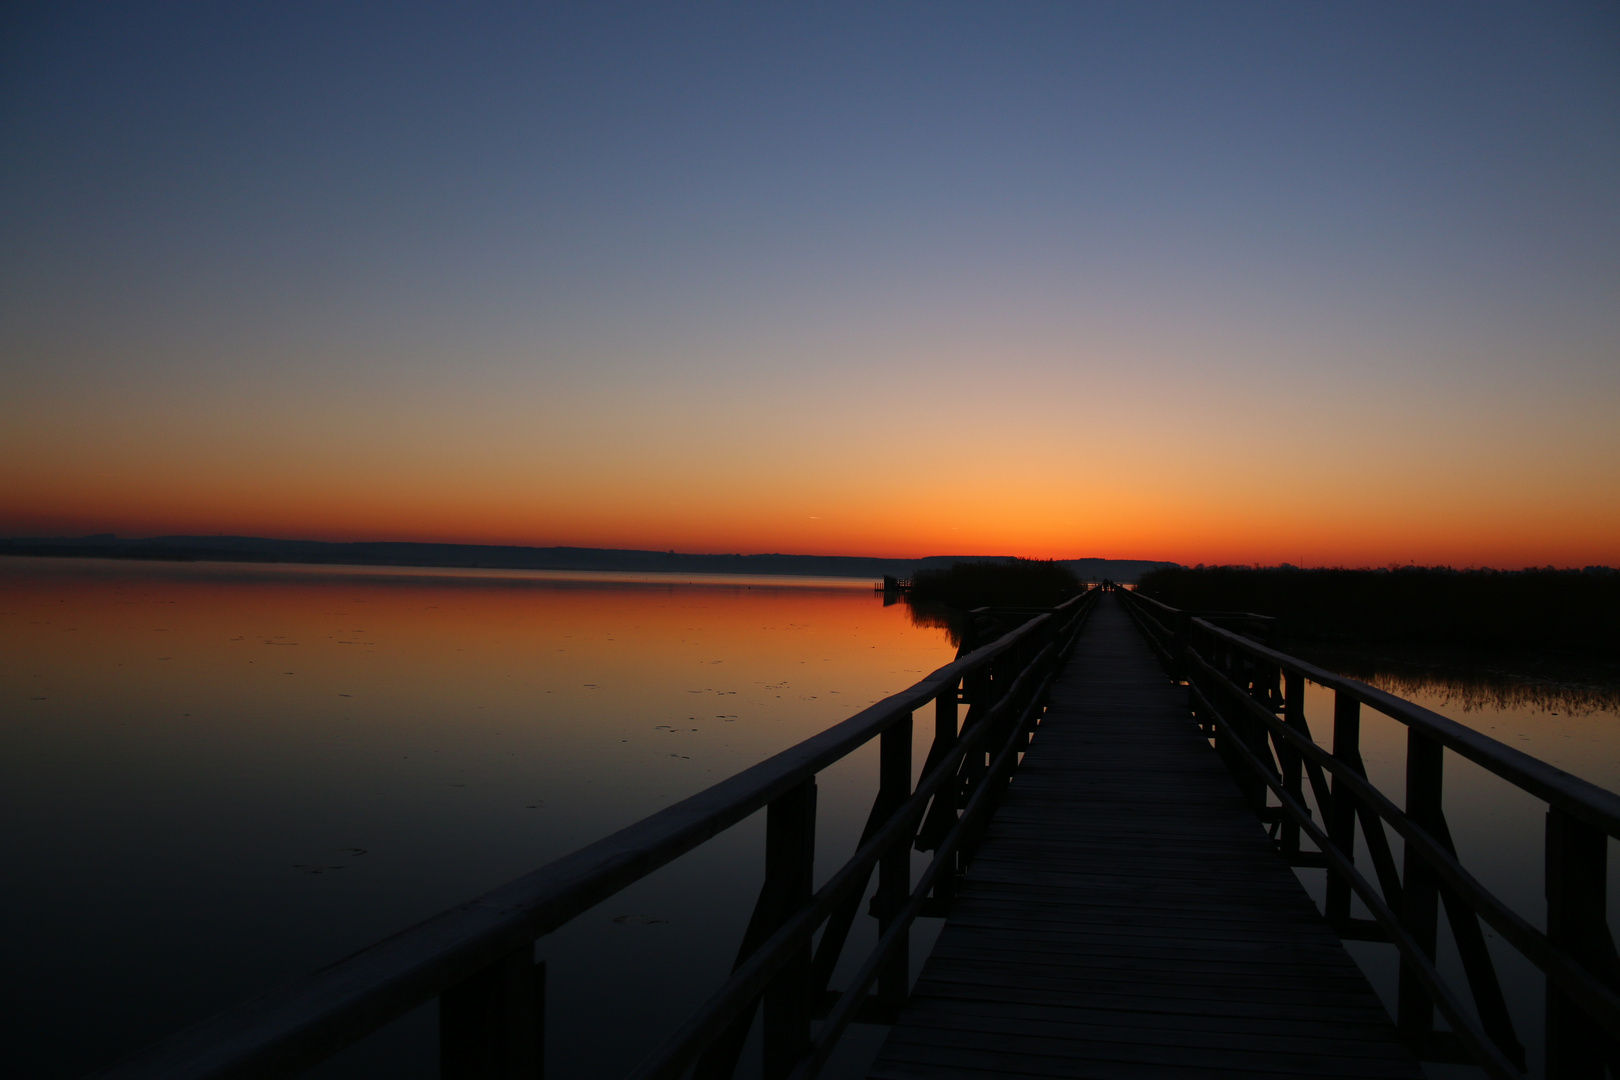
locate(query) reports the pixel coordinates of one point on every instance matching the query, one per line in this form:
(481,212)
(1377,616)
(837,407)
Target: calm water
(216,778)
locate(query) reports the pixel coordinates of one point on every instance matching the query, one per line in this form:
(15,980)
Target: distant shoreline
(252,549)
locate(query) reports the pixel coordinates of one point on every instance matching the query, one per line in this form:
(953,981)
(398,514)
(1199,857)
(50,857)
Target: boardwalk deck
(1126,917)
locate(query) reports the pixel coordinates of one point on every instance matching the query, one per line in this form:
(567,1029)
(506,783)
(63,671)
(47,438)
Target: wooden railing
(1249,699)
(478,959)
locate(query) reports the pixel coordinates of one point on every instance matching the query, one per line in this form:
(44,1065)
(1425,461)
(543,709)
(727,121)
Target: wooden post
(984,699)
(1293,764)
(1265,686)
(1420,889)
(894,869)
(976,766)
(945,716)
(1220,730)
(790,855)
(946,731)
(1195,674)
(1576,876)
(1246,728)
(1180,668)
(1185,668)
(790,832)
(1341,814)
(492,1024)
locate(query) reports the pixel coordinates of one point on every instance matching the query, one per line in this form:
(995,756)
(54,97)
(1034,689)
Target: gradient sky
(1207,282)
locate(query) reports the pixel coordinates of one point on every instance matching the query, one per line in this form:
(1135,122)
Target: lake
(217,777)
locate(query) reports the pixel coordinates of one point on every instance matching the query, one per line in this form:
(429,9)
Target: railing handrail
(678,1051)
(1514,929)
(1199,612)
(1593,804)
(1248,699)
(303,1021)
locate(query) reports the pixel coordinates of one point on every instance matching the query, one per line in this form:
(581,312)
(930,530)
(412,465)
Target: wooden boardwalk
(1127,917)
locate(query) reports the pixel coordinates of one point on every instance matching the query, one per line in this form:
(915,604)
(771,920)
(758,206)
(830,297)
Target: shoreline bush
(1016,583)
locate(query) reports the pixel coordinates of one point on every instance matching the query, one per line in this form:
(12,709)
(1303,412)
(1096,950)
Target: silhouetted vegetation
(1012,583)
(1574,610)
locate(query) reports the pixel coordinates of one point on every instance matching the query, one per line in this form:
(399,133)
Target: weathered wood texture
(1126,915)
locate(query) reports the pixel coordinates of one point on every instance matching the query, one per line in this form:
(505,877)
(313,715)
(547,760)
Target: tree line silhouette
(1568,610)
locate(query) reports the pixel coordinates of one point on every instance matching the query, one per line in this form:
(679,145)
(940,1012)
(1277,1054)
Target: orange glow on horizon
(902,525)
(1329,489)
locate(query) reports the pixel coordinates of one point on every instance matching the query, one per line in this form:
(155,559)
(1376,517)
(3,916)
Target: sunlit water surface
(218,777)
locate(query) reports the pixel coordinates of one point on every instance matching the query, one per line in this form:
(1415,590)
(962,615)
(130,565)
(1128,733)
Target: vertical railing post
(1248,730)
(1194,674)
(492,1023)
(1180,668)
(1420,889)
(947,721)
(790,854)
(1292,762)
(976,766)
(1220,730)
(1189,671)
(1341,813)
(985,695)
(945,715)
(1576,879)
(894,868)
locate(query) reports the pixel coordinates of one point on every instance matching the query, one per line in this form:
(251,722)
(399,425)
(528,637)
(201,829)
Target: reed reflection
(1565,690)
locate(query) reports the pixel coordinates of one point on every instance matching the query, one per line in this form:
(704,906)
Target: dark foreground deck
(1127,917)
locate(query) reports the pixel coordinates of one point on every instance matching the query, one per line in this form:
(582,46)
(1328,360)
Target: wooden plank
(1126,915)
(1192,1029)
(1108,998)
(1142,1059)
(1163,1045)
(1231,934)
(1258,1056)
(1199,997)
(1120,956)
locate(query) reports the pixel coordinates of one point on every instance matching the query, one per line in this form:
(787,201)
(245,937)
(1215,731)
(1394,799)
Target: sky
(1330,284)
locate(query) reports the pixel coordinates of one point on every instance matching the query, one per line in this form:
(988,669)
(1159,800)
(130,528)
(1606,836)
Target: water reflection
(232,775)
(1530,683)
(938,617)
(1562,711)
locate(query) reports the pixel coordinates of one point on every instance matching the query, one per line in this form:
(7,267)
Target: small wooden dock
(1127,917)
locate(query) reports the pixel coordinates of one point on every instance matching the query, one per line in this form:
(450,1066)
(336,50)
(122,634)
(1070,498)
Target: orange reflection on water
(231,775)
(575,657)
(624,693)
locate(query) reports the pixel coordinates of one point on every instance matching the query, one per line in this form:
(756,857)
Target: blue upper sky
(413,211)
